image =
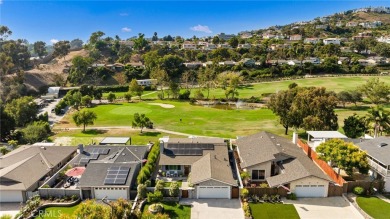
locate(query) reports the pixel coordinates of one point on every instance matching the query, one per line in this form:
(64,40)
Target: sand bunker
(163,105)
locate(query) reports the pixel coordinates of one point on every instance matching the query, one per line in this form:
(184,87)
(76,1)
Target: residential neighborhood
(241,110)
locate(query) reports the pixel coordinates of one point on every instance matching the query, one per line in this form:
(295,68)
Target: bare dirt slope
(48,74)
(385,18)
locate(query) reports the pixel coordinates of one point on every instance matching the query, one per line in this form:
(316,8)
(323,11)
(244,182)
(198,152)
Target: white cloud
(121,14)
(126,29)
(1,2)
(201,28)
(53,41)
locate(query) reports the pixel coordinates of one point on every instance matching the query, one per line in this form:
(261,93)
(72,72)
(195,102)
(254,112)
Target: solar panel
(117,175)
(94,156)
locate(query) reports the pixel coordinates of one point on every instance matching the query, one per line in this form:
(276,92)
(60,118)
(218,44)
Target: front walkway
(214,208)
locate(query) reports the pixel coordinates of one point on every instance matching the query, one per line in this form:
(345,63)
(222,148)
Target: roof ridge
(133,153)
(48,164)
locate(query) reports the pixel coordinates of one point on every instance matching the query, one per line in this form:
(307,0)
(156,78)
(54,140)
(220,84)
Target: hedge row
(147,170)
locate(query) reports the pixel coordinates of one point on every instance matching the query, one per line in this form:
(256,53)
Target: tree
(174,89)
(92,210)
(380,120)
(140,43)
(61,49)
(313,109)
(40,48)
(206,79)
(4,32)
(7,123)
(6,64)
(76,44)
(344,155)
(111,97)
(136,89)
(141,121)
(86,100)
(155,37)
(174,189)
(233,42)
(22,110)
(355,126)
(84,117)
(344,96)
(162,79)
(215,40)
(127,96)
(229,81)
(356,96)
(36,131)
(79,69)
(280,104)
(375,90)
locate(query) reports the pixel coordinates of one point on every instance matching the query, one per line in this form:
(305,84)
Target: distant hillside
(364,16)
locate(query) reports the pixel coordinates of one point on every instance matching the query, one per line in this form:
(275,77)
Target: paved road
(53,118)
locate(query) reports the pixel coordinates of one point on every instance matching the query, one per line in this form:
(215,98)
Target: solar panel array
(187,149)
(116,175)
(103,151)
(93,155)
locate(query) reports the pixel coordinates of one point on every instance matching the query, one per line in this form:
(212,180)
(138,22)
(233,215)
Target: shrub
(292,196)
(185,95)
(174,189)
(156,207)
(246,208)
(244,193)
(46,186)
(6,216)
(148,183)
(141,191)
(358,190)
(74,197)
(264,185)
(198,95)
(157,196)
(159,185)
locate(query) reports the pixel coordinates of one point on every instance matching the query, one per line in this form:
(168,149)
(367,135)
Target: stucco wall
(262,166)
(311,180)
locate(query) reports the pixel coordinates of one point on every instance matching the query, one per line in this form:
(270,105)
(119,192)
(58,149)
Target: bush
(141,191)
(46,186)
(174,189)
(358,190)
(185,95)
(157,196)
(246,208)
(148,183)
(74,197)
(159,185)
(117,88)
(157,207)
(244,193)
(264,185)
(6,216)
(292,196)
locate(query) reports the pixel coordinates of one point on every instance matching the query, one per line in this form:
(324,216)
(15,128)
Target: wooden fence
(269,191)
(322,164)
(378,185)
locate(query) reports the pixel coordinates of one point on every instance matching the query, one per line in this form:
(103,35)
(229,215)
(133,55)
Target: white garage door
(11,196)
(213,192)
(310,191)
(111,193)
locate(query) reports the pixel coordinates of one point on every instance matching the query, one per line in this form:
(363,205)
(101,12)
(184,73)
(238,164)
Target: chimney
(161,147)
(295,138)
(81,148)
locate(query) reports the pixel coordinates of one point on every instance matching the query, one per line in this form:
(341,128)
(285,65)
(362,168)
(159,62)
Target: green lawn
(273,211)
(174,210)
(55,212)
(336,84)
(197,120)
(374,206)
(86,138)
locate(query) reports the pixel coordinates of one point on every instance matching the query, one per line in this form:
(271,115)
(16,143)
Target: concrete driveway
(9,209)
(322,208)
(215,208)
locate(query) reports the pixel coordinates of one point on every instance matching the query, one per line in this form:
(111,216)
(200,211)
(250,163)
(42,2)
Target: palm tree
(381,120)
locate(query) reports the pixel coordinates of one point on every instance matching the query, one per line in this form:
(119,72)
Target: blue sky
(67,20)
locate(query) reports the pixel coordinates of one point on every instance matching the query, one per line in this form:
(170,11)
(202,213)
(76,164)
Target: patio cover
(115,140)
(326,134)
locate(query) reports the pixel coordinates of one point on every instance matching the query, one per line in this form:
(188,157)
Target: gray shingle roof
(23,167)
(265,146)
(381,154)
(212,164)
(96,170)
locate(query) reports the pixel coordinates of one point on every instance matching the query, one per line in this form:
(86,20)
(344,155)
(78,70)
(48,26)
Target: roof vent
(273,137)
(43,148)
(123,154)
(382,144)
(278,145)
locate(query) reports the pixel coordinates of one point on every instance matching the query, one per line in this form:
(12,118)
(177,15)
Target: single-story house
(206,160)
(147,82)
(110,172)
(280,163)
(26,168)
(315,138)
(378,151)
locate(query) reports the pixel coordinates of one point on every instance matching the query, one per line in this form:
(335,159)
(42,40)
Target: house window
(172,167)
(258,174)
